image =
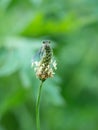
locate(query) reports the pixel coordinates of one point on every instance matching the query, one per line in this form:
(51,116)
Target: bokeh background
(69,101)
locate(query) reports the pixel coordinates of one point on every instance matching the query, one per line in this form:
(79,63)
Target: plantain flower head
(45,67)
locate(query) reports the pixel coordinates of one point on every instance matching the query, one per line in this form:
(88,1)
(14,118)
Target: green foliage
(69,100)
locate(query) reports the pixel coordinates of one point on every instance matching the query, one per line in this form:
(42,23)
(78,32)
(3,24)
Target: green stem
(37,107)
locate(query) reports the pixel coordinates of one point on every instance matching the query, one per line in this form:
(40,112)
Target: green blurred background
(69,101)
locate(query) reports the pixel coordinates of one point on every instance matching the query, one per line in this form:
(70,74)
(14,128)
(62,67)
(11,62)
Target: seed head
(44,68)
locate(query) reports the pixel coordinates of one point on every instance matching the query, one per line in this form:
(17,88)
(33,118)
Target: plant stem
(37,106)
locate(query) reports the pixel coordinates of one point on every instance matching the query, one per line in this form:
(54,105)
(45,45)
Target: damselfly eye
(44,42)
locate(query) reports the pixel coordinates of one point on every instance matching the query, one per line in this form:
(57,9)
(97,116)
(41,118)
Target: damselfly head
(46,42)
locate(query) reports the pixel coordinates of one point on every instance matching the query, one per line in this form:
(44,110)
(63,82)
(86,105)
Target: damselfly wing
(39,54)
